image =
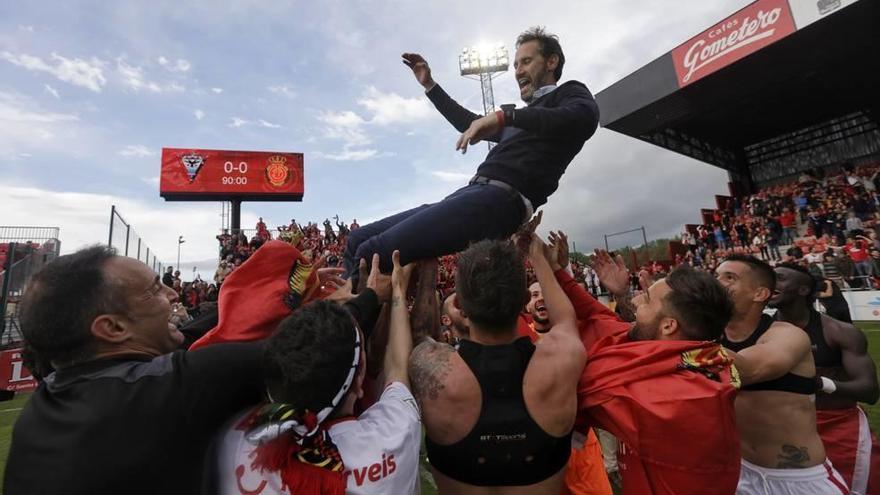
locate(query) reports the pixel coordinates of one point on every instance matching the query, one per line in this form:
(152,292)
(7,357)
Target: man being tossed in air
(535,145)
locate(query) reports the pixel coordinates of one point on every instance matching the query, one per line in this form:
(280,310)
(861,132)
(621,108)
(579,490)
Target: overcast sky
(91,91)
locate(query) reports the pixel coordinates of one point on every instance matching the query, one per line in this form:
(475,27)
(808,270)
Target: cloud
(79,72)
(240,122)
(137,151)
(618,183)
(52,91)
(346,126)
(217,90)
(348,155)
(181,65)
(269,125)
(135,78)
(199,114)
(24,124)
(283,90)
(350,128)
(341,119)
(391,108)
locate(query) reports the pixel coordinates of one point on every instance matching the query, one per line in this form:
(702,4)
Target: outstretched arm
(399,332)
(559,308)
(613,274)
(776,353)
(457,115)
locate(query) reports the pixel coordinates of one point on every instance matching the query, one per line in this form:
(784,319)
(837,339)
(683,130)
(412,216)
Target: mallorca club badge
(192,163)
(277,172)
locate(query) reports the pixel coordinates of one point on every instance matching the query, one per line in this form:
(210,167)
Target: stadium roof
(775,88)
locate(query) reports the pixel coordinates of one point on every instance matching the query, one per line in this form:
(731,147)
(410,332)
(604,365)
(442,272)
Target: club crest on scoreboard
(192,162)
(277,171)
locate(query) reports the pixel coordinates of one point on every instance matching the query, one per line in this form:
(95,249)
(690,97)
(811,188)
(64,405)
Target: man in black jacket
(125,411)
(535,145)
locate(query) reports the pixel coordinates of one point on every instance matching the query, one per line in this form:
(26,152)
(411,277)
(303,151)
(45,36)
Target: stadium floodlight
(484,61)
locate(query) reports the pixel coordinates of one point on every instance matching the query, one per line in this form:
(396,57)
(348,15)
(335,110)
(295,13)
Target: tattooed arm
(429,365)
(399,333)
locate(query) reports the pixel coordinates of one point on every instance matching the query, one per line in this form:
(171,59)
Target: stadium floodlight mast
(180,241)
(485,62)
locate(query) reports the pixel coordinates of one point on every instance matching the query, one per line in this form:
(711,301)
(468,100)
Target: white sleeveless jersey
(380,450)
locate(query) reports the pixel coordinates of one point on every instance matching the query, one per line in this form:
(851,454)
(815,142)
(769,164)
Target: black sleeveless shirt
(506,447)
(823,354)
(788,382)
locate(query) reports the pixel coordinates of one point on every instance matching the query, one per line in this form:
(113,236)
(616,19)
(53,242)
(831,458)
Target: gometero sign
(745,32)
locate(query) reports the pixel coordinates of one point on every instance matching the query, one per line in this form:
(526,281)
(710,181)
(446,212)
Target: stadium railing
(128,243)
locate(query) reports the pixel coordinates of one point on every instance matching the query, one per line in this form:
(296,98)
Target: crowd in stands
(829,222)
(826,221)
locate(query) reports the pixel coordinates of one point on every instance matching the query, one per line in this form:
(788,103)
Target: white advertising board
(806,12)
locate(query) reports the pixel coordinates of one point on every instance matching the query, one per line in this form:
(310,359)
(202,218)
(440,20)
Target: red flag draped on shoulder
(670,403)
(260,293)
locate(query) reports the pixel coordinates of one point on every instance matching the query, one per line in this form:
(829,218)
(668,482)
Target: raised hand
(420,69)
(559,241)
(330,276)
(612,273)
(523,237)
(479,129)
(381,284)
(537,248)
(400,276)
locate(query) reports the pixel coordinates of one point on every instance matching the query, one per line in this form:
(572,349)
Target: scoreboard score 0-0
(219,175)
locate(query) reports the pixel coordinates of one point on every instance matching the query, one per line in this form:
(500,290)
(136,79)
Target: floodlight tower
(485,62)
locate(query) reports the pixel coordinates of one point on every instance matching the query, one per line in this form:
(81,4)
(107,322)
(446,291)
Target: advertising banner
(760,24)
(863,304)
(806,12)
(14,376)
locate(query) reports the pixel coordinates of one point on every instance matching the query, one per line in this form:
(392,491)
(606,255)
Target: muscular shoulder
(785,334)
(842,334)
(562,348)
(429,367)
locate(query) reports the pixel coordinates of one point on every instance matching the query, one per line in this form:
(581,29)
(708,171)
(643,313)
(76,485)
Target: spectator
(759,243)
(167,277)
(853,223)
(120,392)
(222,271)
(789,228)
(858,251)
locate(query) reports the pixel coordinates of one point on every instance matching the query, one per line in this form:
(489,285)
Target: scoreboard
(217,175)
